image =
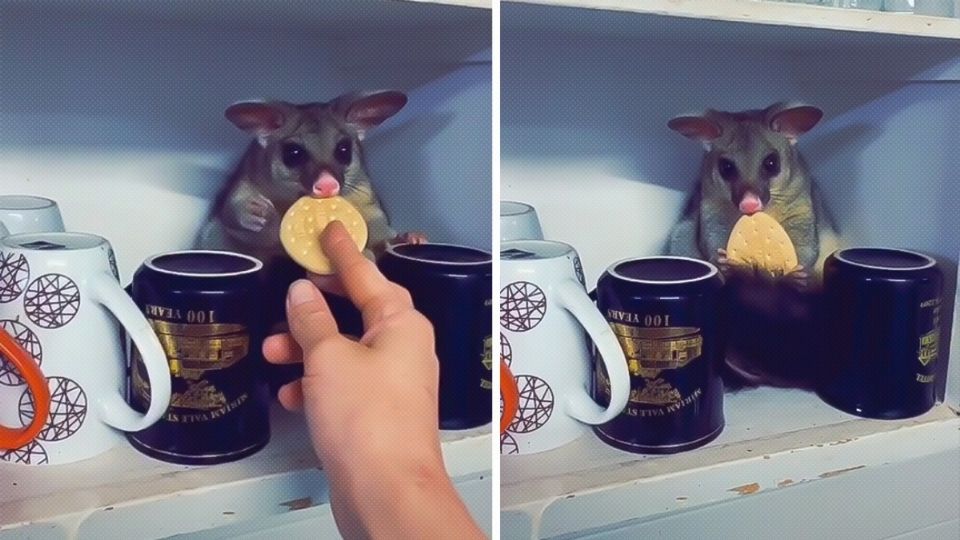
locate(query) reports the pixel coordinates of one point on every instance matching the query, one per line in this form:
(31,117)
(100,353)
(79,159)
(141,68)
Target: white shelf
(778,14)
(773,439)
(123,488)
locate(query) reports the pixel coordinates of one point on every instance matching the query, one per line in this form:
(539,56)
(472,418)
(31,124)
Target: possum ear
(791,121)
(367,110)
(258,118)
(698,128)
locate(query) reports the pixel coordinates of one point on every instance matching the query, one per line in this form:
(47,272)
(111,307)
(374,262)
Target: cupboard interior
(114,108)
(586,96)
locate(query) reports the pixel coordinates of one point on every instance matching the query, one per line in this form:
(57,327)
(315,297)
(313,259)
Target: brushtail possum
(309,149)
(752,164)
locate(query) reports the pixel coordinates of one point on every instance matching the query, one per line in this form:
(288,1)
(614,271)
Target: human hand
(371,405)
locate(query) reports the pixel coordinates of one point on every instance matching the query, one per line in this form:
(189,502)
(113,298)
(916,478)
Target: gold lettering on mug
(192,349)
(487,382)
(175,314)
(929,348)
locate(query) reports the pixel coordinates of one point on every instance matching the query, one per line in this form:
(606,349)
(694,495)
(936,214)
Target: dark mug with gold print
(883,332)
(665,312)
(205,308)
(452,286)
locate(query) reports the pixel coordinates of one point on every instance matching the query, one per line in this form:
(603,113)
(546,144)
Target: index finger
(374,295)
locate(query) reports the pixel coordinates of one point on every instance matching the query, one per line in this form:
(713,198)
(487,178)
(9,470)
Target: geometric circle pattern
(31,454)
(508,445)
(68,409)
(506,351)
(52,300)
(522,306)
(112,257)
(14,274)
(578,269)
(27,339)
(535,404)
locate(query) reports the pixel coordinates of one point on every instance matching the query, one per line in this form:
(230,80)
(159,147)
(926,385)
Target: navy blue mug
(666,314)
(882,332)
(453,287)
(205,307)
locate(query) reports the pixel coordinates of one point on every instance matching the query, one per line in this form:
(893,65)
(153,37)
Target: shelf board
(343,18)
(779,14)
(762,426)
(479,4)
(123,484)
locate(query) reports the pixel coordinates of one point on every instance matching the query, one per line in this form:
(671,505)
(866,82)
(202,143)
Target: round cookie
(758,241)
(302,224)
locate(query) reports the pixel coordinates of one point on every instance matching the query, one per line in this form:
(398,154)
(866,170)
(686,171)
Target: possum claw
(253,223)
(723,262)
(410,238)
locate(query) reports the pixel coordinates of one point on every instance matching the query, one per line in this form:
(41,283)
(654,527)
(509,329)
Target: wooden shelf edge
(543,491)
(479,4)
(778,14)
(124,477)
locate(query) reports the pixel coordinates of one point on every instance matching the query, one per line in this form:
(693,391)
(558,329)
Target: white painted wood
(124,491)
(863,504)
(644,493)
(777,14)
(318,522)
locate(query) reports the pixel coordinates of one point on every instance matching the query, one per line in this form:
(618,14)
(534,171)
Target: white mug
(63,303)
(545,317)
(519,221)
(29,214)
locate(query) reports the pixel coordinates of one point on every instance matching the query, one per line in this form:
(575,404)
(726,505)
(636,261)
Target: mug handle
(580,405)
(36,384)
(114,408)
(511,397)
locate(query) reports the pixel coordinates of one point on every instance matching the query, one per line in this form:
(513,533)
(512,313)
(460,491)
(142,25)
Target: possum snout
(326,185)
(750,203)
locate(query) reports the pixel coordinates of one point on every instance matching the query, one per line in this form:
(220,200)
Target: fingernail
(301,292)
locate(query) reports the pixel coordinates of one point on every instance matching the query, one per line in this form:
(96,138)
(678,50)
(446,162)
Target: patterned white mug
(29,214)
(545,317)
(61,300)
(519,221)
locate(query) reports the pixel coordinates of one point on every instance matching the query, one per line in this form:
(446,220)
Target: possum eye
(343,152)
(294,155)
(771,165)
(727,169)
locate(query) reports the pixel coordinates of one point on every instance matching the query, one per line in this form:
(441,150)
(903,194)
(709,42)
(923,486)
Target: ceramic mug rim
(570,248)
(712,270)
(525,208)
(392,249)
(47,201)
(7,240)
(930,262)
(257,263)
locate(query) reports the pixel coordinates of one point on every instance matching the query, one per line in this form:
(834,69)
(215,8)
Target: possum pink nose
(326,186)
(750,204)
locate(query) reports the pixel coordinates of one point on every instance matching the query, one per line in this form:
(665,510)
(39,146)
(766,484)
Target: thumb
(309,315)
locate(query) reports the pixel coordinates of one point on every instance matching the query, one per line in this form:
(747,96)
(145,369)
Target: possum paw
(723,263)
(256,212)
(410,238)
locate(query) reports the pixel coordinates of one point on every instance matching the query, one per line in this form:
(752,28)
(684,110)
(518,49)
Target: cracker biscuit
(758,241)
(302,224)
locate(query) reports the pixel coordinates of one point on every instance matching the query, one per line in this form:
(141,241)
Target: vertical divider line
(495,296)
